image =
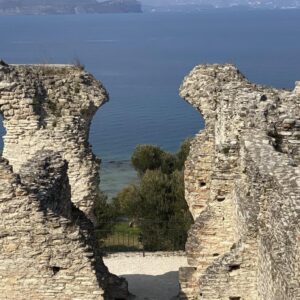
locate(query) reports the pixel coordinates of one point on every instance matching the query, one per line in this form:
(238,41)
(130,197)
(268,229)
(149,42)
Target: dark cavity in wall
(55,270)
(234,267)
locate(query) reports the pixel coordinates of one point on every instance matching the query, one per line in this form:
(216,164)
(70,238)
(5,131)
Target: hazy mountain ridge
(38,7)
(44,7)
(181,5)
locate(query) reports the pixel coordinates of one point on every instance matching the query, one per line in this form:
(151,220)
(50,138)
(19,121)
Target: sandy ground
(153,277)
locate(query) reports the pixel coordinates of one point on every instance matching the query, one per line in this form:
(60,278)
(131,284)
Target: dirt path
(153,277)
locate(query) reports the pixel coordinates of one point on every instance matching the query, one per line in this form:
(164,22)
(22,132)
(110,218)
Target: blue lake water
(142,59)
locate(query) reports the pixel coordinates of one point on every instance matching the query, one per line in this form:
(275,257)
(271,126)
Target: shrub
(146,157)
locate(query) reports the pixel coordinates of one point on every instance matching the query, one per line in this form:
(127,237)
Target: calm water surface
(142,59)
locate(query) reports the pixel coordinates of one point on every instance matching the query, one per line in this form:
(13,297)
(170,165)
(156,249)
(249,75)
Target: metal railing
(148,236)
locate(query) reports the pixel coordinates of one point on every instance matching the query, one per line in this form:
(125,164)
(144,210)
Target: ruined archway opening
(146,270)
(116,165)
(163,255)
(153,270)
(151,214)
(163,175)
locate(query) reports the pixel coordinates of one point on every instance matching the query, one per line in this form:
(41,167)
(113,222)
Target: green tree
(157,203)
(126,203)
(105,214)
(183,153)
(169,163)
(146,157)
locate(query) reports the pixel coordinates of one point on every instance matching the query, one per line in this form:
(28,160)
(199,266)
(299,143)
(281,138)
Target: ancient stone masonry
(48,107)
(242,182)
(49,181)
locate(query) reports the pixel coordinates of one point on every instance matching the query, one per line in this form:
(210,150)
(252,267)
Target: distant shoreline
(198,9)
(155,10)
(66,14)
(67,7)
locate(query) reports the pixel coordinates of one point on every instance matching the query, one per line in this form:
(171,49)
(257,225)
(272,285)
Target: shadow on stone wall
(2,133)
(49,179)
(242,185)
(160,287)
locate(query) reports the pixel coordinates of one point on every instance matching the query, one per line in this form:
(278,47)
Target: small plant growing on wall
(78,64)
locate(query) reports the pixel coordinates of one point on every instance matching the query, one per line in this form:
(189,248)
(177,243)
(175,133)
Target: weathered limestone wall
(44,255)
(49,179)
(242,186)
(50,107)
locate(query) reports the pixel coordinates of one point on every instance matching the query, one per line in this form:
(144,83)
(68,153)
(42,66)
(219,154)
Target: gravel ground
(153,277)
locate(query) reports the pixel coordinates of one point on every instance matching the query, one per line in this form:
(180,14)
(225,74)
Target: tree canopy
(157,202)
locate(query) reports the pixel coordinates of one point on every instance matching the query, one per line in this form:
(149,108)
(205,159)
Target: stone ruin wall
(50,107)
(242,187)
(49,180)
(242,182)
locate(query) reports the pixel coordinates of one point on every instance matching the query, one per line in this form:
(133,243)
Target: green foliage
(122,238)
(150,157)
(126,202)
(183,153)
(146,157)
(157,203)
(163,202)
(105,214)
(124,227)
(169,163)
